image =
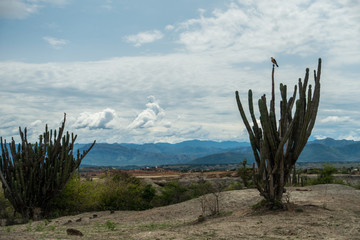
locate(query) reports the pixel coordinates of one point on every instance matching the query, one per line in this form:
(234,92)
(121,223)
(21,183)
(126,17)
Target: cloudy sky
(166,71)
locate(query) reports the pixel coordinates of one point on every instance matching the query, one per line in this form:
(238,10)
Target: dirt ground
(316,212)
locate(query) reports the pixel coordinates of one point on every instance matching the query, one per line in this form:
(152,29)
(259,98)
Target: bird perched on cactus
(274,61)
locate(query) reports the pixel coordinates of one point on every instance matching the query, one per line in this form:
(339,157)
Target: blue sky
(166,71)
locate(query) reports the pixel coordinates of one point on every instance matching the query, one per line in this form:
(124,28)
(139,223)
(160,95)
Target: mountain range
(208,152)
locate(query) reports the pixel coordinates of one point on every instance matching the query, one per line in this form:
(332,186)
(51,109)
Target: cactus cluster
(33,174)
(277,147)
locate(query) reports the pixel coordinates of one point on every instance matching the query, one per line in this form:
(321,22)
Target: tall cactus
(33,174)
(276,148)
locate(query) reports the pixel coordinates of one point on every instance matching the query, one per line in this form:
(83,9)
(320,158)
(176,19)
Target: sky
(144,71)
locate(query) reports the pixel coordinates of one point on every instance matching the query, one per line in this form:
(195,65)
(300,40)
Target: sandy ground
(316,212)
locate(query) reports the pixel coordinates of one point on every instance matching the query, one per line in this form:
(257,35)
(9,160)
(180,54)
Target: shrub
(245,174)
(110,225)
(117,191)
(171,193)
(325,176)
(125,192)
(77,196)
(175,192)
(6,209)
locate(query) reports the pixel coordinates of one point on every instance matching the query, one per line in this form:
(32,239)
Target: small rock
(69,221)
(74,232)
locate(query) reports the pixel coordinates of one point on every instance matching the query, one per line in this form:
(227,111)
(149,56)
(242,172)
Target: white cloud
(21,9)
(150,116)
(220,51)
(254,31)
(55,42)
(196,92)
(169,27)
(335,119)
(108,5)
(144,37)
(16,9)
(35,123)
(54,2)
(95,120)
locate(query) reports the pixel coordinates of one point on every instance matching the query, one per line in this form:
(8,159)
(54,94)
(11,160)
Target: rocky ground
(315,212)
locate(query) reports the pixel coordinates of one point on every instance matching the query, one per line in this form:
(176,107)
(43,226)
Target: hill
(120,155)
(315,212)
(223,158)
(327,150)
(153,154)
(208,152)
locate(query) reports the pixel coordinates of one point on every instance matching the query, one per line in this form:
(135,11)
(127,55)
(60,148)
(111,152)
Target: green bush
(200,188)
(125,192)
(6,209)
(171,193)
(116,191)
(175,192)
(77,196)
(235,186)
(127,197)
(110,225)
(325,176)
(246,174)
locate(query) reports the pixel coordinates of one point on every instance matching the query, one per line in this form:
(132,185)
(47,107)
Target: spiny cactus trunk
(276,148)
(33,174)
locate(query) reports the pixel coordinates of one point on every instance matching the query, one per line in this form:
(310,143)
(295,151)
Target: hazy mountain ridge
(209,152)
(151,154)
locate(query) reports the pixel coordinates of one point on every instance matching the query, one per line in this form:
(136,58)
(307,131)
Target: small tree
(277,147)
(245,174)
(33,174)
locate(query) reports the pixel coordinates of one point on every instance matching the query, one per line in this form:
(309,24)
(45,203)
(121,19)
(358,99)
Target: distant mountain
(326,150)
(103,154)
(194,148)
(224,158)
(208,152)
(332,142)
(152,154)
(330,151)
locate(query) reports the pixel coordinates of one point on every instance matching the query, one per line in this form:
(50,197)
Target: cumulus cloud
(95,120)
(144,37)
(215,57)
(55,42)
(148,117)
(258,29)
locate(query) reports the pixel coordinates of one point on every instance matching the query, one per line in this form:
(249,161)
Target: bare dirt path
(318,212)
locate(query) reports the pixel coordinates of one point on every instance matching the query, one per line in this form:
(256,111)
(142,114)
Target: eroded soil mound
(316,212)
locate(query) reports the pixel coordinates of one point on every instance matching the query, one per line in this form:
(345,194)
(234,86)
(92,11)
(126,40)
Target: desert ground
(315,212)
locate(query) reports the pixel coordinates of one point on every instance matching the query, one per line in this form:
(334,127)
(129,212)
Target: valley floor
(316,212)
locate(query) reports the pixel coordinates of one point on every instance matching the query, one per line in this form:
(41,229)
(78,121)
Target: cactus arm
(248,128)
